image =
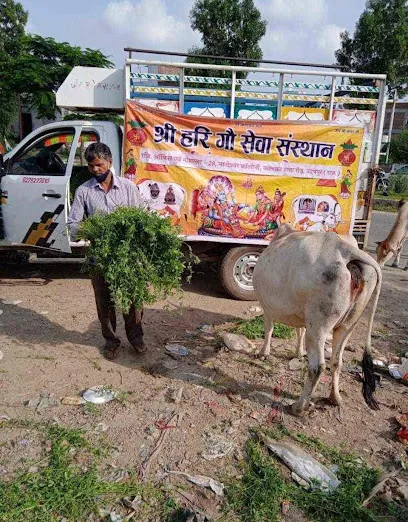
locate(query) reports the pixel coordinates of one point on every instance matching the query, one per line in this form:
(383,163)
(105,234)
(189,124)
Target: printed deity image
(239,179)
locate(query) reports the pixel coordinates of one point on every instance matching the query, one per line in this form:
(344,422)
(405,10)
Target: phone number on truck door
(36,180)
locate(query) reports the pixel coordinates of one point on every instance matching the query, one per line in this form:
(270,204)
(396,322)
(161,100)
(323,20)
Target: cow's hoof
(394,266)
(334,400)
(263,356)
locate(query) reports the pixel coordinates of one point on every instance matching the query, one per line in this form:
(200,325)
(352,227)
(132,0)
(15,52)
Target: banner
(236,180)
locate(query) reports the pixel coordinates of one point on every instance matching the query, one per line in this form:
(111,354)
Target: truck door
(35,190)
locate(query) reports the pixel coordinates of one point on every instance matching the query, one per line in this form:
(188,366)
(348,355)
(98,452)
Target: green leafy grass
(137,252)
(259,495)
(68,483)
(254,329)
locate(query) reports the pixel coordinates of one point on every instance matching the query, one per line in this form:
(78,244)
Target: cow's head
(384,252)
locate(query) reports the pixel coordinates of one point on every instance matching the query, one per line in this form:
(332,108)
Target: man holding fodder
(103,194)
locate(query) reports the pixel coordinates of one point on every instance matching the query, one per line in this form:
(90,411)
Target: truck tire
(236,272)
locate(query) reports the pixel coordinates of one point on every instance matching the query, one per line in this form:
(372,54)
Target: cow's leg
(315,340)
(266,349)
(340,337)
(300,337)
(395,264)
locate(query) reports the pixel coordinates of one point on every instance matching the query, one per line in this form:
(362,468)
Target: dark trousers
(107,316)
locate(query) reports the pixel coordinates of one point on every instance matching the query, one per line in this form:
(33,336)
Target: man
(104,193)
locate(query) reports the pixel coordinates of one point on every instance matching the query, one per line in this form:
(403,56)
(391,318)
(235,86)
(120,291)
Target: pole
(391,126)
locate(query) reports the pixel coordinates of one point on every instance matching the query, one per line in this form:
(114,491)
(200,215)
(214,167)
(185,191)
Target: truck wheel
(236,272)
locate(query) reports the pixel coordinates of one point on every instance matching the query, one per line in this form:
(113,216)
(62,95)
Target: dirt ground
(51,343)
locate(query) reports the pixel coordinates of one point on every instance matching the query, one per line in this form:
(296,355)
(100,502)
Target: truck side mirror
(1,165)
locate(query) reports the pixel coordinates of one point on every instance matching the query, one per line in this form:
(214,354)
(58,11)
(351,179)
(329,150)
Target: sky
(298,30)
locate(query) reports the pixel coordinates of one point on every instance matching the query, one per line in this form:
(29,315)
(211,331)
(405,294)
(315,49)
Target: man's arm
(77,212)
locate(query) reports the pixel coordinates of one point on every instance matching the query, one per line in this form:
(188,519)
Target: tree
(379,44)
(43,66)
(399,148)
(33,67)
(13,19)
(231,28)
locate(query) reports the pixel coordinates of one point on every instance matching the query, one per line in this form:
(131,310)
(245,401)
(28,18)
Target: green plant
(260,493)
(137,252)
(68,485)
(254,329)
(398,183)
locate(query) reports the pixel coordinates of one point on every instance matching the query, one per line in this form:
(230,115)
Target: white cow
(317,282)
(393,243)
(167,199)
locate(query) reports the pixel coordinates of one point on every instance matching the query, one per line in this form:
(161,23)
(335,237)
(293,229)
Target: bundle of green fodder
(137,252)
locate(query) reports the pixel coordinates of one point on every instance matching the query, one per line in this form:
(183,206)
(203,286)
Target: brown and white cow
(319,283)
(392,244)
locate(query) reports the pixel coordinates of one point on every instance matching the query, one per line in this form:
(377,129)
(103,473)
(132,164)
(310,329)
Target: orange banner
(235,180)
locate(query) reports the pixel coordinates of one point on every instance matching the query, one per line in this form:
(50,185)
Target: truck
(39,176)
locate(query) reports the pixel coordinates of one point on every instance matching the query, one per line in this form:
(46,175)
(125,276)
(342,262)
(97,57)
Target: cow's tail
(369,383)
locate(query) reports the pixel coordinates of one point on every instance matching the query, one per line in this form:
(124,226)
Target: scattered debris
(206,328)
(379,362)
(253,310)
(1,355)
(170,365)
(399,371)
(132,504)
(73,401)
(303,464)
(99,395)
(403,435)
(114,517)
(1,312)
(217,447)
(44,401)
(201,480)
(295,364)
(101,427)
(380,486)
(403,341)
(237,342)
(177,351)
(11,301)
(117,476)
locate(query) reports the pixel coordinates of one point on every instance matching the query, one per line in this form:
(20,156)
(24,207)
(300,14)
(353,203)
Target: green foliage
(137,252)
(399,148)
(259,495)
(13,19)
(44,65)
(379,43)
(68,485)
(33,67)
(398,183)
(254,329)
(228,28)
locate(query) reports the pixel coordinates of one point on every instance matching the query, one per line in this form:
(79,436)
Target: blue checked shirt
(90,198)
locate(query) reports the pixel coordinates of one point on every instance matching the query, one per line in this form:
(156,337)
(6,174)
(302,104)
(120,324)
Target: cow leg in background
(315,340)
(300,336)
(340,337)
(395,264)
(266,349)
